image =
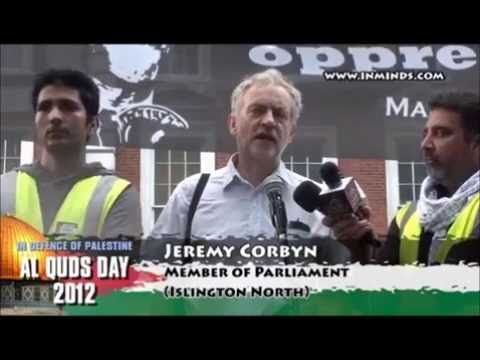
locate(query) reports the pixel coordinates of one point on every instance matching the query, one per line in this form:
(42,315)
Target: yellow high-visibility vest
(82,212)
(408,222)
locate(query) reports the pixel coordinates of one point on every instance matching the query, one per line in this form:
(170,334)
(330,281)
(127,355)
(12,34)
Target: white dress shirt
(231,206)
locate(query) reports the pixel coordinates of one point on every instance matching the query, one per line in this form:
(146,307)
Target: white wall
(392,188)
(102,154)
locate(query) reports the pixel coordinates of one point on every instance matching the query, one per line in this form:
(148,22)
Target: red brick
(127,162)
(370,174)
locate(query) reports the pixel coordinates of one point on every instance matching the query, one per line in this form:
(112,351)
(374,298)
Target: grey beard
(436,174)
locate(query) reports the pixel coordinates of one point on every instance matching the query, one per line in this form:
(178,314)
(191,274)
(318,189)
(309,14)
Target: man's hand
(350,230)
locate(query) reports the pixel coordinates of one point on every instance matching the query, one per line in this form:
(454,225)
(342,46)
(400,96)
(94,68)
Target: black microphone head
(307,195)
(274,185)
(330,173)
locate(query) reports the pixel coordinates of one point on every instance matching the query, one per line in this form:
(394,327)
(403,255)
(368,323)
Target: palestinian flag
(366,290)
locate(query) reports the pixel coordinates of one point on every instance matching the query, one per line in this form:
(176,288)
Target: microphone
(342,197)
(307,195)
(330,173)
(278,213)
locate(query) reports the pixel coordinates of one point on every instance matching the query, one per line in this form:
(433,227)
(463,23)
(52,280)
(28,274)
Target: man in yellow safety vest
(444,225)
(60,193)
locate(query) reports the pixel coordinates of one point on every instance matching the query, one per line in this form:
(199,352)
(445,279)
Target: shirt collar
(232,176)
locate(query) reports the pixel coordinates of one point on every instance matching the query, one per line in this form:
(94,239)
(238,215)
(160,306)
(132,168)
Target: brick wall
(370,174)
(127,162)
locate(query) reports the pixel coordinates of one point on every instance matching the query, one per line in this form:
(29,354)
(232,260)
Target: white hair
(268,77)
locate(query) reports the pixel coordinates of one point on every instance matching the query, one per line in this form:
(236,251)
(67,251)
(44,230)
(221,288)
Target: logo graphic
(16,237)
(128,114)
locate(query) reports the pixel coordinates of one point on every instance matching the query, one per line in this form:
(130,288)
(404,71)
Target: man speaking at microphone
(241,199)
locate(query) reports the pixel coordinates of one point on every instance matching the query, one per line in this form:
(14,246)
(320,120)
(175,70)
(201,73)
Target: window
(171,167)
(9,155)
(160,172)
(403,180)
(403,176)
(307,166)
(410,177)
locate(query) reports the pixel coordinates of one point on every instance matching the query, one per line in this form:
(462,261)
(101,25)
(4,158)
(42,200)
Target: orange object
(13,232)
